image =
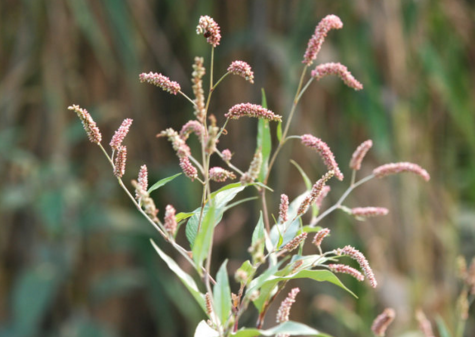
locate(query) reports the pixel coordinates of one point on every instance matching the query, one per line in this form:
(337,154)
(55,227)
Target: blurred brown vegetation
(74,254)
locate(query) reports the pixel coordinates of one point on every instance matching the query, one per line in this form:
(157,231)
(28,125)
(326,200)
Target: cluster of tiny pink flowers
(295,242)
(220,175)
(254,169)
(361,259)
(120,134)
(317,189)
(342,268)
(210,29)
(284,309)
(120,159)
(321,234)
(242,69)
(318,201)
(252,110)
(381,323)
(395,168)
(160,81)
(170,220)
(226,155)
(198,72)
(339,70)
(315,43)
(188,169)
(182,151)
(192,127)
(88,123)
(142,182)
(359,154)
(368,212)
(324,150)
(283,208)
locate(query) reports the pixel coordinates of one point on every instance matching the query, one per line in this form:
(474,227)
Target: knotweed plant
(276,246)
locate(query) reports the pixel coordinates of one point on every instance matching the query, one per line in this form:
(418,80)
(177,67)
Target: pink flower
(182,151)
(160,81)
(394,168)
(220,175)
(192,127)
(189,170)
(341,268)
(254,169)
(283,208)
(88,123)
(286,305)
(368,212)
(226,154)
(321,234)
(170,221)
(210,29)
(120,134)
(295,242)
(361,259)
(317,189)
(339,70)
(359,154)
(315,43)
(327,155)
(242,69)
(142,183)
(120,159)
(198,72)
(252,110)
(318,201)
(381,323)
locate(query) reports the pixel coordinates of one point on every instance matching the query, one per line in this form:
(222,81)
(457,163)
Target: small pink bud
(359,154)
(315,43)
(192,127)
(120,159)
(242,69)
(283,209)
(339,70)
(284,309)
(160,81)
(341,268)
(88,123)
(210,29)
(170,221)
(381,323)
(394,168)
(120,134)
(226,155)
(327,155)
(252,110)
(220,175)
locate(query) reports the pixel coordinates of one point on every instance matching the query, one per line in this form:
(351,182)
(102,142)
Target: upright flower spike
(147,203)
(321,234)
(252,110)
(254,169)
(344,269)
(198,72)
(192,127)
(160,81)
(361,259)
(170,220)
(369,212)
(242,69)
(324,151)
(314,193)
(283,208)
(220,175)
(395,168)
(120,159)
(339,70)
(359,154)
(120,134)
(210,30)
(284,309)
(382,322)
(88,123)
(142,182)
(315,43)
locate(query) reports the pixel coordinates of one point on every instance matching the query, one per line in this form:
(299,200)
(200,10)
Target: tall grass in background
(67,239)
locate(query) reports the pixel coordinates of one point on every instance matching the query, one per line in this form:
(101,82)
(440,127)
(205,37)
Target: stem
(184,95)
(219,81)
(340,201)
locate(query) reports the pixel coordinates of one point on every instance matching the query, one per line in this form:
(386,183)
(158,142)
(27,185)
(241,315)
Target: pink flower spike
(242,69)
(210,29)
(382,322)
(220,175)
(321,234)
(226,155)
(120,159)
(394,168)
(142,182)
(318,201)
(252,110)
(342,268)
(369,212)
(339,70)
(314,194)
(359,154)
(192,127)
(120,134)
(160,81)
(283,208)
(327,155)
(188,168)
(284,309)
(88,123)
(315,43)
(170,221)
(295,242)
(361,259)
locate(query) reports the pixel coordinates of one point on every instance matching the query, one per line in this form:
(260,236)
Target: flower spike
(120,134)
(339,70)
(315,43)
(88,123)
(242,69)
(324,150)
(394,168)
(210,30)
(160,81)
(359,154)
(252,110)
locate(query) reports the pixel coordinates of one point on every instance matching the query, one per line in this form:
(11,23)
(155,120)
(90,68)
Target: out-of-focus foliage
(75,256)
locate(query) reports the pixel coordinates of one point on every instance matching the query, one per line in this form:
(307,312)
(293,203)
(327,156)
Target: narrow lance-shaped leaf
(204,238)
(258,235)
(222,294)
(162,182)
(287,328)
(264,141)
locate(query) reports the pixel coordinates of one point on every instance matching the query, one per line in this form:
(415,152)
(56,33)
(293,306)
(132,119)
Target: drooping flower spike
(252,110)
(382,322)
(182,151)
(369,212)
(242,69)
(120,134)
(359,154)
(324,150)
(395,168)
(339,70)
(210,30)
(321,234)
(88,123)
(344,269)
(361,259)
(161,81)
(192,127)
(220,175)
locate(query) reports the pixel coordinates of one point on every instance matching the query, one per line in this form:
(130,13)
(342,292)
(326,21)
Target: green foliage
(289,328)
(162,182)
(222,294)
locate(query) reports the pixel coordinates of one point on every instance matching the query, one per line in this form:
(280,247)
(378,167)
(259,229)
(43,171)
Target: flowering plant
(276,250)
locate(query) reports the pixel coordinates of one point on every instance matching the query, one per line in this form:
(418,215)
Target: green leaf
(184,277)
(317,275)
(289,328)
(282,234)
(222,294)
(258,234)
(308,229)
(261,279)
(221,198)
(279,131)
(162,182)
(204,330)
(307,181)
(249,269)
(442,327)
(204,238)
(183,216)
(264,141)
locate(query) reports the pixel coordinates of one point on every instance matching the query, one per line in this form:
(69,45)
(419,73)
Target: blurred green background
(75,259)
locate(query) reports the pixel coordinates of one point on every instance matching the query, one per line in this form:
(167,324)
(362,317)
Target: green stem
(184,95)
